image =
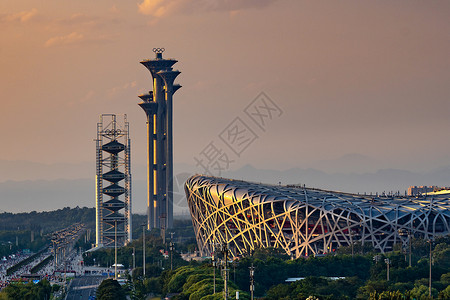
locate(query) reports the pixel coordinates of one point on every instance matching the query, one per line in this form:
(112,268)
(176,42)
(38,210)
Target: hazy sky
(366,77)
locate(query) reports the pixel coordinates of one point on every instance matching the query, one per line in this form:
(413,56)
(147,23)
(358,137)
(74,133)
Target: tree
(445,294)
(388,295)
(110,289)
(441,256)
(31,291)
(421,292)
(152,285)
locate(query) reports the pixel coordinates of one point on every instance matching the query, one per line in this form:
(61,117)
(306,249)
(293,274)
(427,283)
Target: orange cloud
(161,8)
(71,38)
(118,89)
(114,9)
(22,17)
(158,8)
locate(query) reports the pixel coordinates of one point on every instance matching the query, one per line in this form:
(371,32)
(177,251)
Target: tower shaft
(158,106)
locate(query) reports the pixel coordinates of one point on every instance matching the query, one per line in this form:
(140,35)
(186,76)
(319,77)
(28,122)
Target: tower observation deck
(157,105)
(113,182)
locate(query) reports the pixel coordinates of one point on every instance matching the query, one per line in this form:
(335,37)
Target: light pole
(143,250)
(215,261)
(409,241)
(134,258)
(429,280)
(252,282)
(171,248)
(225,270)
(407,232)
(163,228)
(54,255)
(351,241)
(214,272)
(387,261)
(115,249)
(234,270)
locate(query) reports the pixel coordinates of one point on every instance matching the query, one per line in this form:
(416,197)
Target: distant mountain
(46,195)
(71,191)
(20,170)
(349,163)
(379,181)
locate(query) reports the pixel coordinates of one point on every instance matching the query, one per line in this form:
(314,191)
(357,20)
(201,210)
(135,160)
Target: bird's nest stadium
(305,221)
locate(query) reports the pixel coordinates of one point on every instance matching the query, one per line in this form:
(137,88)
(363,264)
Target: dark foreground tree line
(28,291)
(365,276)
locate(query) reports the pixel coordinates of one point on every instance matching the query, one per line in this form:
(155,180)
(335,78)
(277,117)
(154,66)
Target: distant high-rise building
(113,181)
(157,105)
(415,190)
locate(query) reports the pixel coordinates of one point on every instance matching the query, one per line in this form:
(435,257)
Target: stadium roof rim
(311,195)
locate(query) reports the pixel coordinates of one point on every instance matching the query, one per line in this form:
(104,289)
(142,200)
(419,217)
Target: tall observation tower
(113,182)
(157,105)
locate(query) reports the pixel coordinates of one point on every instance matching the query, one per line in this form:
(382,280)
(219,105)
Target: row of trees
(404,282)
(272,267)
(27,291)
(12,241)
(32,230)
(155,249)
(365,277)
(159,260)
(48,221)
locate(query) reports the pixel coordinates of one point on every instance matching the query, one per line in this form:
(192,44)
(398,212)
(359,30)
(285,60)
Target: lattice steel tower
(157,105)
(113,181)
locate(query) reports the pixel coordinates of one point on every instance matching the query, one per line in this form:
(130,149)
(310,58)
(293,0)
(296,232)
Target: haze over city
(360,87)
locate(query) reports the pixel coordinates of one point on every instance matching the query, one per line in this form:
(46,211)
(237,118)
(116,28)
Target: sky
(344,77)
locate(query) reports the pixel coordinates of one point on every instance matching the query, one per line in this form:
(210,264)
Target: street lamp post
(429,280)
(407,232)
(134,258)
(252,282)
(115,249)
(387,261)
(409,241)
(351,241)
(234,270)
(171,248)
(54,255)
(143,250)
(225,270)
(214,273)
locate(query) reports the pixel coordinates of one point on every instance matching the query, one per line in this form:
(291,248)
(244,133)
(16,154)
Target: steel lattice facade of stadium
(305,221)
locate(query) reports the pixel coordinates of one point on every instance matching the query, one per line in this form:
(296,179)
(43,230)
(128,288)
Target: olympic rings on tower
(159,50)
(113,132)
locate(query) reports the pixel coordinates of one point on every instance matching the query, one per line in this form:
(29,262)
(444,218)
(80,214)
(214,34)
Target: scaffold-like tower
(158,107)
(113,181)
